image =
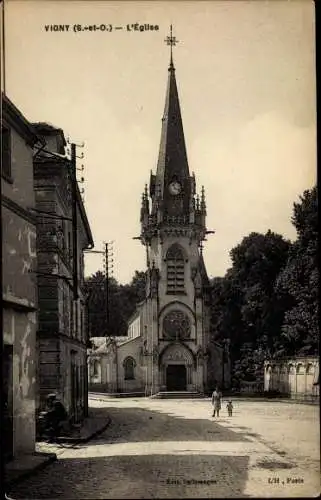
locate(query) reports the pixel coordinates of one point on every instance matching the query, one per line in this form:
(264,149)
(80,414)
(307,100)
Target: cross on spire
(171,40)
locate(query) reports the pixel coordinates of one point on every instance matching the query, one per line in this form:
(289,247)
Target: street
(174,449)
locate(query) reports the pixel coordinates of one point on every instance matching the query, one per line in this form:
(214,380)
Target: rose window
(176,325)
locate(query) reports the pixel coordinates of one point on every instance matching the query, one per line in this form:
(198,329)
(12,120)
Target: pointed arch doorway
(176,378)
(176,368)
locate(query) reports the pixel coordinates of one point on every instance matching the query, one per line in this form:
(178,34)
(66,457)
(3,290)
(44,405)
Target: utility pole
(74,220)
(109,265)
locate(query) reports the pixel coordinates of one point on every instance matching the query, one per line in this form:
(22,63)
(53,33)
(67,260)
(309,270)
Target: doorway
(176,378)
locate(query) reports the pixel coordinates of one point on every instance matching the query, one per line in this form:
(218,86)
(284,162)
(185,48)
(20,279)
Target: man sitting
(56,414)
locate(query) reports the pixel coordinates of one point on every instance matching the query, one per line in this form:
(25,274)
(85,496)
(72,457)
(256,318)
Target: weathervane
(171,40)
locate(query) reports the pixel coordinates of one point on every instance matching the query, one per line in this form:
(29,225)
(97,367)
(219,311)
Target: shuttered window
(175,270)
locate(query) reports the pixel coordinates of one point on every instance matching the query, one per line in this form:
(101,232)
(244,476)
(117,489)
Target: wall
(159,254)
(292,376)
(131,348)
(106,380)
(19,291)
(19,258)
(61,318)
(191,302)
(134,328)
(19,331)
(21,192)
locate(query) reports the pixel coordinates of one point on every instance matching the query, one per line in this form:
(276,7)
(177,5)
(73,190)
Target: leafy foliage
(122,301)
(267,302)
(299,281)
(247,311)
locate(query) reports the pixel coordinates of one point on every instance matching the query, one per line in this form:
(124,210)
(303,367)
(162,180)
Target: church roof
(172,158)
(127,341)
(203,271)
(136,313)
(100,346)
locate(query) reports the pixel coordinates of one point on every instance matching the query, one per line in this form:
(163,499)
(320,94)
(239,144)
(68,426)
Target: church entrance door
(176,378)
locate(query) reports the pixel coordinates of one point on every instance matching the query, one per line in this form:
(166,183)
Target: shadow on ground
(153,475)
(149,476)
(127,424)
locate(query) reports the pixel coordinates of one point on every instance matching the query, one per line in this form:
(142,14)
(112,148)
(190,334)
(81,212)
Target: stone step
(177,395)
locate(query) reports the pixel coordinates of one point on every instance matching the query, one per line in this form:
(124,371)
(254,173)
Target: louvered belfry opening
(175,270)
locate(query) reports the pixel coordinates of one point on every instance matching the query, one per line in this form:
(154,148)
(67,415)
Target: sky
(246,80)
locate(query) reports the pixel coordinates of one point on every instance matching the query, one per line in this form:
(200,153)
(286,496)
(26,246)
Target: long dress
(216,400)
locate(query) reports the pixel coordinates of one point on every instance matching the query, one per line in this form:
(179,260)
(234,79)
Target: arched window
(129,365)
(175,270)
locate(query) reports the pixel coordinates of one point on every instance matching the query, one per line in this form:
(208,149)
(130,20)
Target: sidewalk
(26,465)
(94,424)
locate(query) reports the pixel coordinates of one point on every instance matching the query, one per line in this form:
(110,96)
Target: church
(168,347)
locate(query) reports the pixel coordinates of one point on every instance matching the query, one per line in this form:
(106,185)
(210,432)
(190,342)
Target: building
(296,377)
(62,331)
(103,371)
(19,291)
(169,346)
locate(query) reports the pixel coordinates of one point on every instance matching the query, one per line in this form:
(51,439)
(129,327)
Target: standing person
(216,401)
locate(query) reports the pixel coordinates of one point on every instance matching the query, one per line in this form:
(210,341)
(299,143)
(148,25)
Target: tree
(298,283)
(267,302)
(244,306)
(122,301)
(257,261)
(96,304)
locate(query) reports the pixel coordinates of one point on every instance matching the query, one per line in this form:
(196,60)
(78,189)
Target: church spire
(175,209)
(172,158)
(171,41)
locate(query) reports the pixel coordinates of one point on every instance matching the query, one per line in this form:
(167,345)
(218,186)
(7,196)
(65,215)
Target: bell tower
(173,228)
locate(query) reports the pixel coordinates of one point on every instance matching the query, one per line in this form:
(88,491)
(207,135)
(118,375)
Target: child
(229,407)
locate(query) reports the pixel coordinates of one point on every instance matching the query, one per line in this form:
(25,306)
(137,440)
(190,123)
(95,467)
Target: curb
(78,440)
(93,395)
(51,457)
(272,400)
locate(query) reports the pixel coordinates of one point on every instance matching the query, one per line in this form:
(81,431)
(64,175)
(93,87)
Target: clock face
(175,187)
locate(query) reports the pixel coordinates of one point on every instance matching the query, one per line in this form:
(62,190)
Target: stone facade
(168,346)
(62,332)
(19,285)
(297,377)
